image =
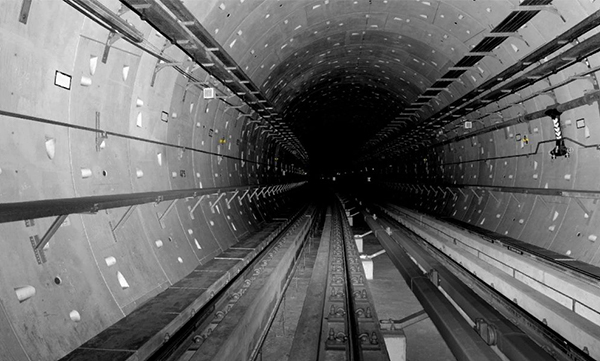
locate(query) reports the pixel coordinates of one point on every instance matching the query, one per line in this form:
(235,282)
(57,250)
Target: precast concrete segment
(307,339)
(462,340)
(549,295)
(494,328)
(238,335)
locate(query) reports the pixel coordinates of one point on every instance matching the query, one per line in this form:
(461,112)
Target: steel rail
(354,352)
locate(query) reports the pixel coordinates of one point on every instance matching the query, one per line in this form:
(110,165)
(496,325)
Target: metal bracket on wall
(231,199)
(551,95)
(240,199)
(123,219)
(454,195)
(38,245)
(253,193)
(587,214)
(479,198)
(397,325)
(191,84)
(161,65)
(240,114)
(513,34)
(112,38)
(233,107)
(161,216)
(515,198)
(100,135)
(463,193)
(24,14)
(214,204)
(543,201)
(549,8)
(192,209)
(493,196)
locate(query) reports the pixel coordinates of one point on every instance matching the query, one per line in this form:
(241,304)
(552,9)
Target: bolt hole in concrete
(104,173)
(578,234)
(57,280)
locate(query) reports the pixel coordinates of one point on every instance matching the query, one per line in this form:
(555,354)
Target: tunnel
(299,180)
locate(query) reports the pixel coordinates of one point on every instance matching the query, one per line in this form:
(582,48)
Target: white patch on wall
(122,281)
(93,64)
(50,147)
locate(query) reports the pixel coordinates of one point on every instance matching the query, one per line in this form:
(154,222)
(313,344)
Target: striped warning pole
(560,149)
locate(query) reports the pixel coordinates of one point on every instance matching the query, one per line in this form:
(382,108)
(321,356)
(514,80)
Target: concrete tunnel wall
(269,40)
(104,276)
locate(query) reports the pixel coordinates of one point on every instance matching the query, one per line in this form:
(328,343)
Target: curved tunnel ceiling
(357,63)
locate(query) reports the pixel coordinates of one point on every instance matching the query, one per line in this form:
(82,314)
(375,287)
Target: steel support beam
(11,212)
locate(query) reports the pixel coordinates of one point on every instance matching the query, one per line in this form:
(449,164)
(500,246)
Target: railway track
(338,321)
